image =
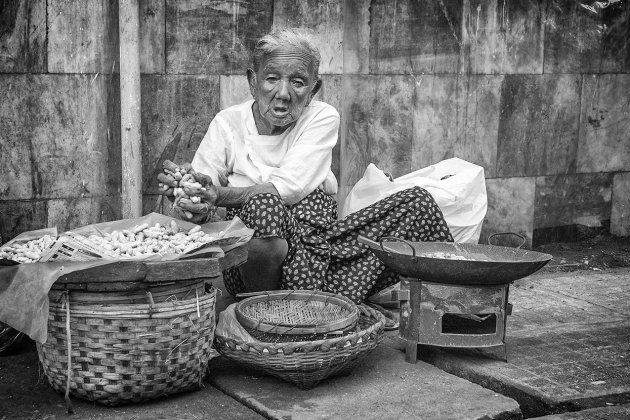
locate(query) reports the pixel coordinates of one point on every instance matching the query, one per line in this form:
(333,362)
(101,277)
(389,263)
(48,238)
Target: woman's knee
(263,269)
(263,201)
(268,250)
(265,213)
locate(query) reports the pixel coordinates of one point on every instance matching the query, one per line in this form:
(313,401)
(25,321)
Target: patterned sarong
(324,253)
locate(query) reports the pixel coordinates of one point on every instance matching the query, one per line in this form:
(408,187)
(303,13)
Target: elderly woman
(268,161)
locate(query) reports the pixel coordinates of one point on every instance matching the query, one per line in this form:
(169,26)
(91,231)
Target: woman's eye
(271,79)
(298,83)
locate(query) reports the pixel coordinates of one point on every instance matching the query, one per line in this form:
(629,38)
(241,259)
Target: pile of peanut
(27,252)
(143,240)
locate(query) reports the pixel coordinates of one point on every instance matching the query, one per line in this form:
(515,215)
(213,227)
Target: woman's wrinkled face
(283,85)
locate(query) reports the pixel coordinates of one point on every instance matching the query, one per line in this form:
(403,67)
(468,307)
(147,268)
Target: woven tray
(129,353)
(306,363)
(296,312)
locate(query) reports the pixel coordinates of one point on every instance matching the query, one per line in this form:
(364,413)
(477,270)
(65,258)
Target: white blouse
(296,162)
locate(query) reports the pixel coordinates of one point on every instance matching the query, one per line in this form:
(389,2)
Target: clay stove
(450,315)
(454,294)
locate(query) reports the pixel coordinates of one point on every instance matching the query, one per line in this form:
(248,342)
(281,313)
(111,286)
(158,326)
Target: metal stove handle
(508,233)
(367,241)
(395,239)
(373,244)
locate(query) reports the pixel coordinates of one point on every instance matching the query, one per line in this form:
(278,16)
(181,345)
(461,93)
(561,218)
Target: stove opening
(464,324)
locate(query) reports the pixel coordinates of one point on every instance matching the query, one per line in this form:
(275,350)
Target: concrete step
(618,412)
(568,344)
(384,386)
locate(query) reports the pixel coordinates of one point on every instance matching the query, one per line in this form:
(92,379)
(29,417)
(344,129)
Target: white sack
(457,186)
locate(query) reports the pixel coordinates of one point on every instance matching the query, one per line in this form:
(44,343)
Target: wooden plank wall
(535,91)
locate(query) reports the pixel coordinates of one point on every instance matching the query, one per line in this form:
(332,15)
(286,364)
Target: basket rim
(262,325)
(82,295)
(309,346)
(136,309)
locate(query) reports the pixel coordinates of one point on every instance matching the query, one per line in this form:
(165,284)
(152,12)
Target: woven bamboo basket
(296,312)
(307,363)
(128,353)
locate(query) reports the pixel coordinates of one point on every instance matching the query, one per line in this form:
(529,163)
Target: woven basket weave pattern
(297,312)
(305,364)
(130,353)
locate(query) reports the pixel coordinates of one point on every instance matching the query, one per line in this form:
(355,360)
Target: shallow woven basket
(306,363)
(128,353)
(296,312)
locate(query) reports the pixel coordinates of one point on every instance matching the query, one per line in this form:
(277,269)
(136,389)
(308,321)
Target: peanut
(153,240)
(186,186)
(27,252)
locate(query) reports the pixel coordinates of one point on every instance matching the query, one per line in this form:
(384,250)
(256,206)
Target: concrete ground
(384,386)
(25,394)
(619,412)
(568,347)
(568,344)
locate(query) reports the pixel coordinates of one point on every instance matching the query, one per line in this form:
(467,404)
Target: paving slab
(25,394)
(383,386)
(618,412)
(568,344)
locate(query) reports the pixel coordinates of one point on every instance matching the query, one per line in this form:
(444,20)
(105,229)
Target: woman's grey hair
(282,38)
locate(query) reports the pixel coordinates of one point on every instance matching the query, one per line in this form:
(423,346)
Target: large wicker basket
(306,363)
(124,353)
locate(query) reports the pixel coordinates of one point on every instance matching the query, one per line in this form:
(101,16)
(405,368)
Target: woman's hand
(193,212)
(191,192)
(169,178)
(202,211)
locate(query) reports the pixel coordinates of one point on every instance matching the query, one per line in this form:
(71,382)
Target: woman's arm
(237,196)
(217,196)
(212,155)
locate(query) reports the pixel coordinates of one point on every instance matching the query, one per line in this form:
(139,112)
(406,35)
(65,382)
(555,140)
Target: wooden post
(128,26)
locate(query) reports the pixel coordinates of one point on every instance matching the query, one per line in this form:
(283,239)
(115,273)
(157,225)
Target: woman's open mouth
(280,112)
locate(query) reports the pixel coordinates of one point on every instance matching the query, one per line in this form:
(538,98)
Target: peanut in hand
(186,188)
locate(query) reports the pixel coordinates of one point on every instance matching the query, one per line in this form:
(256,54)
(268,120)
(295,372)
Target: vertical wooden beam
(130,109)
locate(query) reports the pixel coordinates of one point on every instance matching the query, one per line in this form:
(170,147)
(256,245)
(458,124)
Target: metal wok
(483,264)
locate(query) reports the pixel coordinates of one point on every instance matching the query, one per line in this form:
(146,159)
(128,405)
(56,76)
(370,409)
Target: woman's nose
(283,90)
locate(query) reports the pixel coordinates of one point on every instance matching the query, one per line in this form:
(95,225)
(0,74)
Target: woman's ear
(316,88)
(251,79)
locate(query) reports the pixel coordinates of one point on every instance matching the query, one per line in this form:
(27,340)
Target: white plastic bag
(457,186)
(229,326)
